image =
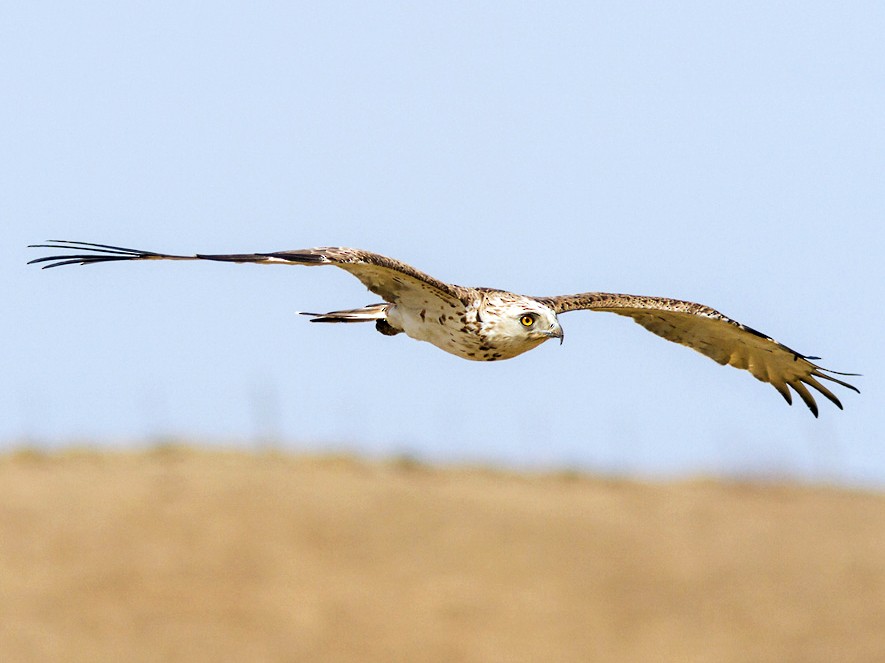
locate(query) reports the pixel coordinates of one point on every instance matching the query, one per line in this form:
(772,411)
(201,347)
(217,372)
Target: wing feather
(811,382)
(393,280)
(717,336)
(389,278)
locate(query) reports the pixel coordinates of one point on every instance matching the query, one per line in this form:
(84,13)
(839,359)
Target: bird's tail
(365,314)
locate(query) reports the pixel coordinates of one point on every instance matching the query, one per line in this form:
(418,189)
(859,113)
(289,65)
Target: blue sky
(731,155)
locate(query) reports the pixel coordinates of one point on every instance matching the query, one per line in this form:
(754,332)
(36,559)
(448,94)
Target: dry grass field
(185,555)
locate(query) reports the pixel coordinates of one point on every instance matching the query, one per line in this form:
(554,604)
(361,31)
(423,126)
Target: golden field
(177,554)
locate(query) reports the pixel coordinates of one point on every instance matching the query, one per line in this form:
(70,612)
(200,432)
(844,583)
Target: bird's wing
(716,336)
(393,280)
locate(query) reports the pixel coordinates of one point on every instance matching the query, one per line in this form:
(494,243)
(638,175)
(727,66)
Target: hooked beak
(556,333)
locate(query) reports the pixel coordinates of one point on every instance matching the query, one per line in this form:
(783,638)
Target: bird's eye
(527,320)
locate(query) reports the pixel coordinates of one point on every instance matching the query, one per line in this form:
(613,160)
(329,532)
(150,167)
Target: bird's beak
(556,332)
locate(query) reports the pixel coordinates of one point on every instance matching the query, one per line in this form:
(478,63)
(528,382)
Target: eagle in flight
(485,324)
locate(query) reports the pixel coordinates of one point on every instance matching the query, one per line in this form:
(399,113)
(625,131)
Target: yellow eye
(527,320)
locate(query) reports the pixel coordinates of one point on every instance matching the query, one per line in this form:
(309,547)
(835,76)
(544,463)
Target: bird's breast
(458,331)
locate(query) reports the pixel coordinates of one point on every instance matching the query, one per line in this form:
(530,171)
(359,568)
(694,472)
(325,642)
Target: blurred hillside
(177,554)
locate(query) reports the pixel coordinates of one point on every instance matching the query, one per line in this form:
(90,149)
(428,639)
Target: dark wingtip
(91,253)
(812,405)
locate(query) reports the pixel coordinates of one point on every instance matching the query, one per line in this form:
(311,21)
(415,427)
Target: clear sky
(730,155)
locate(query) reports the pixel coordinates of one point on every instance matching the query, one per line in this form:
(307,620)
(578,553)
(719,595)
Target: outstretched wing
(716,336)
(393,280)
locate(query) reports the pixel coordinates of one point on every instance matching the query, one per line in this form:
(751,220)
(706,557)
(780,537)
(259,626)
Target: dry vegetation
(184,555)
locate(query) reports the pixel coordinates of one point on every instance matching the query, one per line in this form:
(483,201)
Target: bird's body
(485,324)
(485,327)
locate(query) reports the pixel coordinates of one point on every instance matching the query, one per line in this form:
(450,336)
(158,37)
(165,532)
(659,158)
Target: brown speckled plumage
(484,324)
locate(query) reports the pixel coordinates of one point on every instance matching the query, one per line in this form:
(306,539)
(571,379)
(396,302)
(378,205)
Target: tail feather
(365,314)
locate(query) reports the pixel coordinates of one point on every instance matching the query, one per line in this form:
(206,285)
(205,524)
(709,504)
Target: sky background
(732,155)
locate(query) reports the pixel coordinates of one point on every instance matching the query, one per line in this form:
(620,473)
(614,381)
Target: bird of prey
(486,324)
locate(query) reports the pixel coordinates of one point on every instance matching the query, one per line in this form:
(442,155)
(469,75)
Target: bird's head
(514,324)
